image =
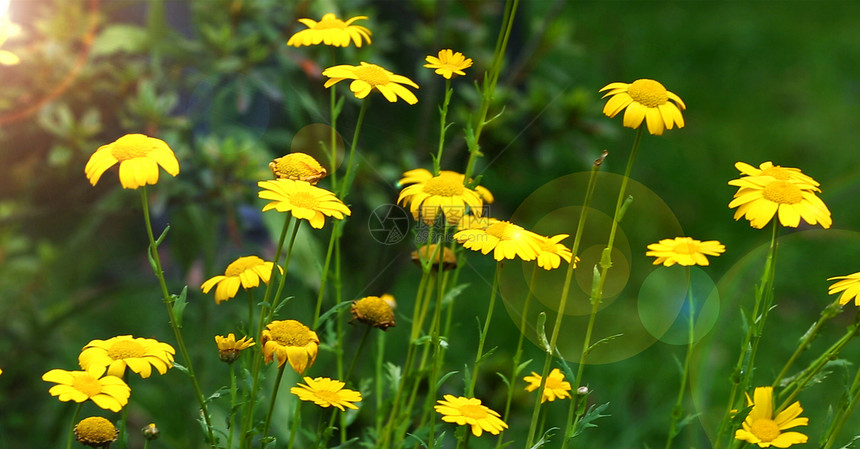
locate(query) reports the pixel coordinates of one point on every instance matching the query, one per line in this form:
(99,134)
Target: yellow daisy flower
(646,100)
(245,271)
(331,31)
(505,239)
(303,200)
(556,386)
(445,258)
(684,251)
(759,198)
(138,156)
(229,348)
(760,427)
(849,286)
(327,392)
(298,166)
(138,354)
(95,431)
(777,172)
(291,341)
(371,76)
(429,195)
(7,30)
(108,392)
(469,411)
(551,251)
(374,311)
(448,64)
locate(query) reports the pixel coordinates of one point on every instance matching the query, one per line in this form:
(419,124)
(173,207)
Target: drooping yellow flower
(448,64)
(371,76)
(298,166)
(327,392)
(505,239)
(551,252)
(469,411)
(245,271)
(374,311)
(7,30)
(760,427)
(331,31)
(444,258)
(303,200)
(759,198)
(430,196)
(777,172)
(556,386)
(684,251)
(647,100)
(229,348)
(95,431)
(849,286)
(138,354)
(291,341)
(108,392)
(138,156)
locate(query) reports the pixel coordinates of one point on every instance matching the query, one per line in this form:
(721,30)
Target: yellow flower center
(328,396)
(765,429)
(373,75)
(782,192)
(304,200)
(776,172)
(290,333)
(87,385)
(446,184)
(130,147)
(242,264)
(126,349)
(686,246)
(330,21)
(95,430)
(648,93)
(503,230)
(473,411)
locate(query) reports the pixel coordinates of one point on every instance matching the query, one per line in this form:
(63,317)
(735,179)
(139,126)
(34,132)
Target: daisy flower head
(291,341)
(759,198)
(138,157)
(556,386)
(367,77)
(777,172)
(138,354)
(298,166)
(551,252)
(445,259)
(303,200)
(229,348)
(246,272)
(684,251)
(331,31)
(448,64)
(849,286)
(762,428)
(327,392)
(95,431)
(647,100)
(505,239)
(108,392)
(429,197)
(469,411)
(373,311)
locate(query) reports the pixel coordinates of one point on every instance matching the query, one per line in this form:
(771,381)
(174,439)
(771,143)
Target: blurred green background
(763,81)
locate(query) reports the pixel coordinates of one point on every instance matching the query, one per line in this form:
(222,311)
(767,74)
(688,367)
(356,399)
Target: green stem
(843,413)
(443,125)
(480,355)
(272,403)
(168,302)
(357,352)
(378,379)
(233,405)
(71,435)
(283,279)
(678,410)
(435,338)
(350,164)
(829,312)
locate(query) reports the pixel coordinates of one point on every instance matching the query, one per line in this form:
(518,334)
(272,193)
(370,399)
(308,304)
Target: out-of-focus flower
(684,251)
(138,354)
(138,156)
(330,31)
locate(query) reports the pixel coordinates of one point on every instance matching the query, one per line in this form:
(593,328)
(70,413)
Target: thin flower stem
(519,352)
(843,413)
(251,330)
(435,338)
(71,435)
(272,403)
(232,405)
(357,352)
(577,239)
(480,355)
(829,312)
(123,421)
(283,279)
(324,275)
(678,410)
(350,164)
(443,126)
(333,149)
(168,302)
(378,379)
(294,425)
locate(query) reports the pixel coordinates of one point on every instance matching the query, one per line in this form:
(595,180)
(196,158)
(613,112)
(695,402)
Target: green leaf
(179,303)
(331,312)
(453,294)
(120,38)
(545,438)
(541,332)
(594,413)
(394,375)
